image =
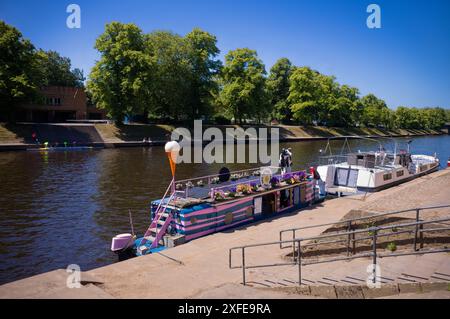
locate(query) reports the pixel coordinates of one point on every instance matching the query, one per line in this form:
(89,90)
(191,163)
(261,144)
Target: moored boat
(204,205)
(374,170)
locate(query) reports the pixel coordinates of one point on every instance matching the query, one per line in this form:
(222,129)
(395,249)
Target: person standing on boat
(285,161)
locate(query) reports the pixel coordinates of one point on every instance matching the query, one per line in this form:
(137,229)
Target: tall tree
(202,51)
(310,95)
(169,85)
(58,70)
(117,79)
(344,110)
(243,85)
(373,107)
(278,84)
(20,75)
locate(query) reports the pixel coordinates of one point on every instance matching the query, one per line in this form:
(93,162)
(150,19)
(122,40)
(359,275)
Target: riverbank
(15,137)
(199,269)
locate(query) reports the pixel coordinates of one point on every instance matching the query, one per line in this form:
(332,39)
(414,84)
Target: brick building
(60,104)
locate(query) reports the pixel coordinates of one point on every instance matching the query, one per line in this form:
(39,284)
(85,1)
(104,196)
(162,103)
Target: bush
(392,247)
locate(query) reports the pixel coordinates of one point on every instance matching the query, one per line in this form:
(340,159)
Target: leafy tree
(57,70)
(169,85)
(117,79)
(243,85)
(344,111)
(310,95)
(202,53)
(278,84)
(373,110)
(436,117)
(20,75)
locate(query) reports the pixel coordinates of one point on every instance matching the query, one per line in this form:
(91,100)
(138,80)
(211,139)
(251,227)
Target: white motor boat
(372,171)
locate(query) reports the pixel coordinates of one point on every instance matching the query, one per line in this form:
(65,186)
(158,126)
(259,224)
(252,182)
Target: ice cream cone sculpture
(172,149)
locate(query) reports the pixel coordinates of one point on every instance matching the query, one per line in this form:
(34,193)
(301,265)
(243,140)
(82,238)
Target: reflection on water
(59,208)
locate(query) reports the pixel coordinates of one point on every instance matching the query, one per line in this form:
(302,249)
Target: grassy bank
(110,133)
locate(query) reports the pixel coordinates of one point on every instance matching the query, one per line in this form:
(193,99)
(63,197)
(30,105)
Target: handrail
(148,231)
(297,258)
(351,220)
(216,175)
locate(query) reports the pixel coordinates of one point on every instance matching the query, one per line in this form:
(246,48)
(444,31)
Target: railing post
(421,236)
(281,244)
(243,266)
(374,254)
(299,262)
(417,229)
(353,243)
(349,228)
(293,244)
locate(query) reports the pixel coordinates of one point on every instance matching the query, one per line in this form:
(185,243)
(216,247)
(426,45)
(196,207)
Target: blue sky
(406,62)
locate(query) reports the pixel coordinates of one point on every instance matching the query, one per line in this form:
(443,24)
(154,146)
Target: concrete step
(405,269)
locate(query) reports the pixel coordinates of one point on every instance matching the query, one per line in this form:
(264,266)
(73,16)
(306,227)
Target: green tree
(169,85)
(345,107)
(438,118)
(20,74)
(278,84)
(202,53)
(373,110)
(57,70)
(310,95)
(117,79)
(243,85)
(409,118)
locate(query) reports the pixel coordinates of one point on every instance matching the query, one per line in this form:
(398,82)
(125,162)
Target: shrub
(392,246)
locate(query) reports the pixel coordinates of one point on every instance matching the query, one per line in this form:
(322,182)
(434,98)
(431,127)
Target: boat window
(193,220)
(387,177)
(400,173)
(423,167)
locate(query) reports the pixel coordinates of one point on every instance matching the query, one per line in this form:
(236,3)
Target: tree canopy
(278,84)
(20,73)
(158,75)
(243,92)
(168,77)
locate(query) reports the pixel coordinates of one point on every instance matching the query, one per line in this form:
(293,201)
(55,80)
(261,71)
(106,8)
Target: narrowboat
(204,205)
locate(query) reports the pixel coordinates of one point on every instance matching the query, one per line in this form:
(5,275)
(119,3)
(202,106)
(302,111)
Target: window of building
(53,101)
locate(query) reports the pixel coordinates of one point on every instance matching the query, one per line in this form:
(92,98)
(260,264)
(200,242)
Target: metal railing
(374,233)
(210,180)
(350,223)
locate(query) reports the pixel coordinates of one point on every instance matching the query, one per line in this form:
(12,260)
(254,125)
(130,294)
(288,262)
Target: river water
(61,208)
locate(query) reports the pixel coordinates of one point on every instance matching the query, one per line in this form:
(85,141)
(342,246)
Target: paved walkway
(202,265)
